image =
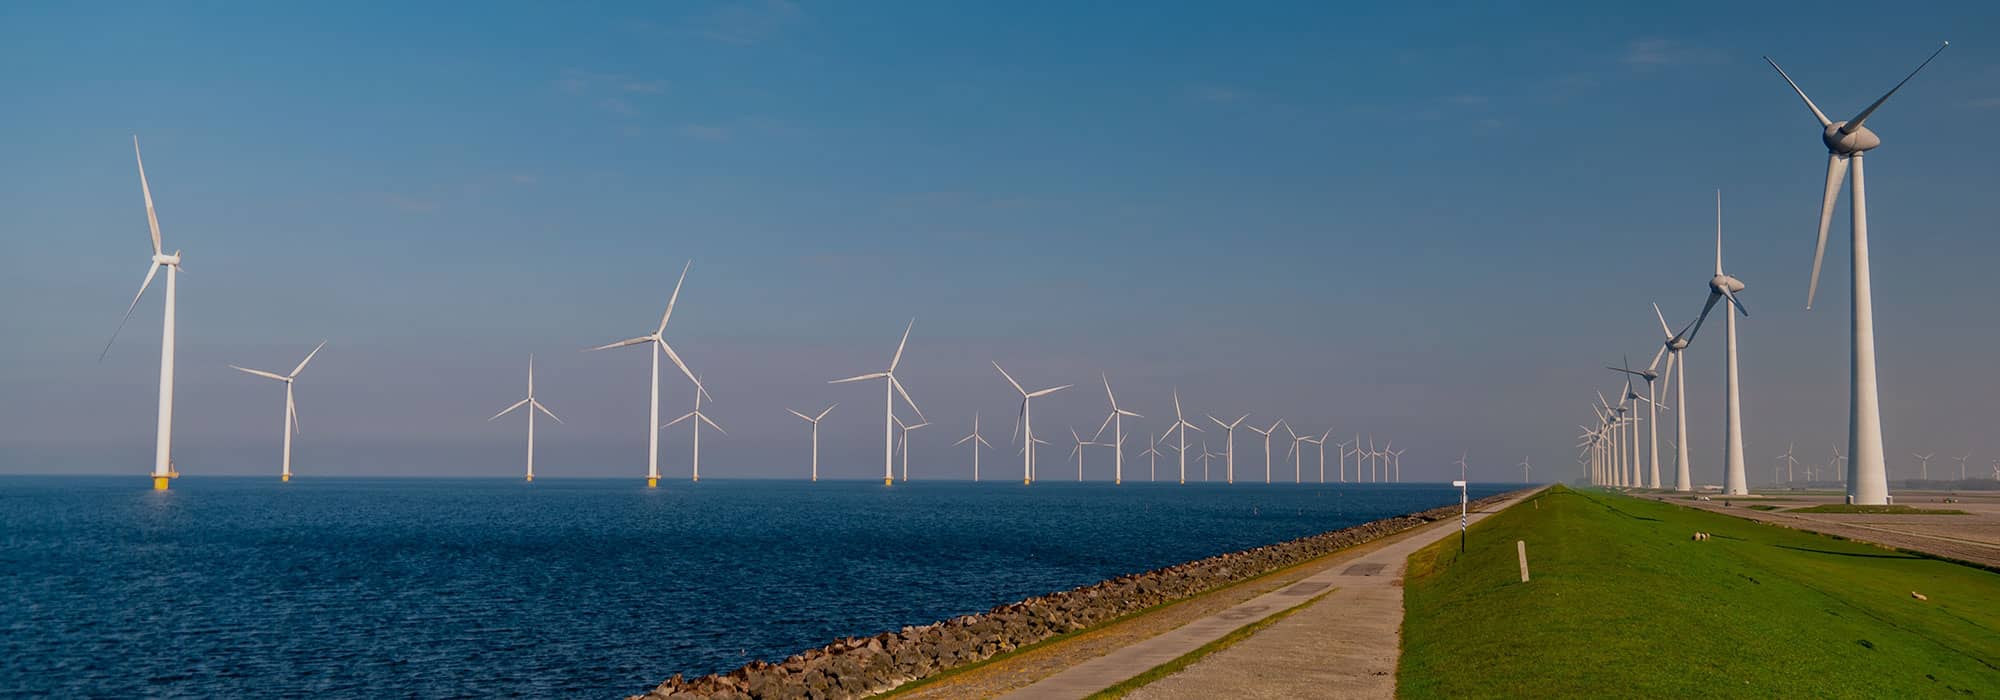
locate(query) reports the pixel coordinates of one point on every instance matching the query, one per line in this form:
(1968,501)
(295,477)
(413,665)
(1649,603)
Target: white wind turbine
(1372,454)
(1181,426)
(1297,454)
(1676,345)
(1229,446)
(1790,461)
(890,390)
(976,441)
(1024,422)
(1342,446)
(657,340)
(1724,287)
(1961,462)
(163,436)
(1321,442)
(1152,460)
(1205,457)
(814,420)
(700,392)
(904,445)
(1077,451)
(1461,465)
(1116,422)
(1396,458)
(1652,411)
(531,402)
(1266,432)
(1926,468)
(1525,468)
(291,410)
(1846,142)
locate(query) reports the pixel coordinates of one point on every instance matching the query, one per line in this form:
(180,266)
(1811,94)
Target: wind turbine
(1025,421)
(1116,421)
(657,340)
(1181,426)
(1077,451)
(1396,457)
(1229,446)
(905,444)
(1266,432)
(531,402)
(1790,461)
(977,441)
(890,390)
(1652,410)
(1846,143)
(1152,460)
(1321,442)
(1961,462)
(292,413)
(1205,457)
(1724,287)
(1675,345)
(163,436)
(1926,460)
(700,392)
(1372,477)
(814,420)
(1297,454)
(1525,468)
(1461,465)
(1343,459)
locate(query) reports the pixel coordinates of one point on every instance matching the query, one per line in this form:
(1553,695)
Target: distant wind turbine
(1152,460)
(1396,458)
(657,340)
(531,402)
(1115,421)
(1266,432)
(905,444)
(1525,468)
(1343,459)
(163,436)
(1724,287)
(292,413)
(1297,454)
(1961,462)
(1024,422)
(814,420)
(1926,468)
(1229,446)
(1181,426)
(891,389)
(1205,457)
(700,392)
(976,441)
(1846,142)
(1078,451)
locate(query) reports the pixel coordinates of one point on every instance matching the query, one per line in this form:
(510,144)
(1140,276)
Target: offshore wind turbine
(1152,459)
(976,441)
(814,420)
(1846,142)
(1266,432)
(1181,426)
(292,412)
(1229,446)
(1321,442)
(1297,454)
(1342,446)
(531,402)
(904,445)
(1724,287)
(1205,457)
(1115,421)
(1372,477)
(163,436)
(1396,457)
(1024,422)
(700,392)
(1525,468)
(657,340)
(891,389)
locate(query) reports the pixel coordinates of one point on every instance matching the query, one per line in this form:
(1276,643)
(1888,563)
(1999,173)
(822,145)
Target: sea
(233,587)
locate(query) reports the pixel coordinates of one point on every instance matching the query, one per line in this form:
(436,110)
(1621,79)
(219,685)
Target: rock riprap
(861,666)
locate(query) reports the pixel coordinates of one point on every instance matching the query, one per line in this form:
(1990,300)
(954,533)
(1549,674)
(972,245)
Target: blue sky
(1429,222)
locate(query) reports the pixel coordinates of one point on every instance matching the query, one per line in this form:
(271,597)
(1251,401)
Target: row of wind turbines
(1384,463)
(1610,449)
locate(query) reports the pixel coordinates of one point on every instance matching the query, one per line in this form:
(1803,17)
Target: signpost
(1461,513)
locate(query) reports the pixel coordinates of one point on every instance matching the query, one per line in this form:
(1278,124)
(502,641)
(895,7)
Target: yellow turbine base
(1025,482)
(159,483)
(888,481)
(652,482)
(284,478)
(531,478)
(697,478)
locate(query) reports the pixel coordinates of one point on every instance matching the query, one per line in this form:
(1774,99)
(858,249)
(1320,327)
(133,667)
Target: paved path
(1343,646)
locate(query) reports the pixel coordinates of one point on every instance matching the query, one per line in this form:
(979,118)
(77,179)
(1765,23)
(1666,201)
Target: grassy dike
(1623,603)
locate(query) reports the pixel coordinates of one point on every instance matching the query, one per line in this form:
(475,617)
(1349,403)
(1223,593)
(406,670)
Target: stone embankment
(861,666)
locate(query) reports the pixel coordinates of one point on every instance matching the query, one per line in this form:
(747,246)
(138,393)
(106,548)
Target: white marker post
(1461,513)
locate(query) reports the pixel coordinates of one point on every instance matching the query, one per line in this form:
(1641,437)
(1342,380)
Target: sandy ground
(1973,537)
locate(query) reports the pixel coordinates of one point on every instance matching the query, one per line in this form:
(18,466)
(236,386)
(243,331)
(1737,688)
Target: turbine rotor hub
(1725,283)
(1852,143)
(174,260)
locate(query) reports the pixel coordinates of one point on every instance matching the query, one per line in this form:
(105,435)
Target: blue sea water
(583,588)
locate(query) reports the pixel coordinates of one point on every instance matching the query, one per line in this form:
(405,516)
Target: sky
(1433,223)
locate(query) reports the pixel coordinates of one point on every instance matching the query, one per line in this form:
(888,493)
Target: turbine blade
(822,414)
(1050,390)
(859,378)
(801,416)
(669,350)
(260,373)
(684,416)
(1657,354)
(1738,303)
(906,397)
(509,409)
(962,440)
(1821,116)
(1010,379)
(621,343)
(309,358)
(1100,429)
(718,428)
(1855,123)
(671,300)
(1836,171)
(152,220)
(899,345)
(1696,326)
(544,409)
(1129,414)
(151,269)
(292,409)
(1663,321)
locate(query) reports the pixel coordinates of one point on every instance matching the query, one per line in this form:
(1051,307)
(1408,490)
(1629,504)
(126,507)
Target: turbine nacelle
(1725,284)
(173,260)
(1840,140)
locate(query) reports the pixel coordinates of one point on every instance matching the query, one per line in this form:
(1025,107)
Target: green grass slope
(1623,603)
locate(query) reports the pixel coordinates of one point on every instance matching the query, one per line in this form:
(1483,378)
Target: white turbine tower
(700,392)
(1077,450)
(1396,457)
(292,412)
(904,445)
(1116,422)
(1024,422)
(1181,426)
(1525,468)
(163,436)
(890,390)
(1229,446)
(1652,412)
(657,340)
(1961,462)
(1342,446)
(1790,461)
(1297,454)
(1321,442)
(1676,345)
(1205,457)
(976,441)
(1266,432)
(1152,460)
(1925,470)
(1735,481)
(1846,142)
(814,420)
(531,402)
